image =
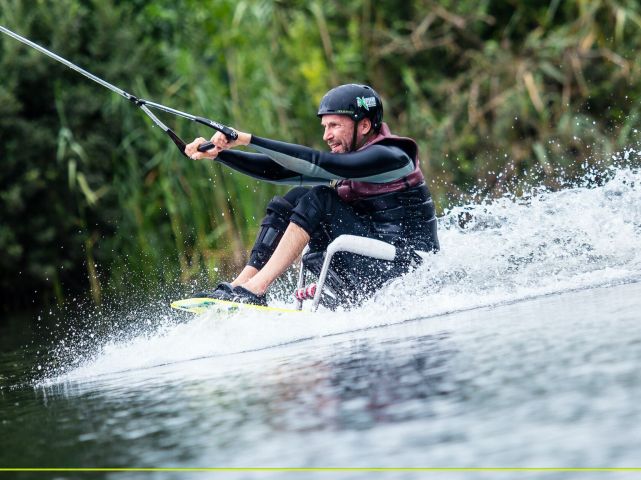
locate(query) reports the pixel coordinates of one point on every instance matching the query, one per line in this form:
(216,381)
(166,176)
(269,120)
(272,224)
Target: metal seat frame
(369,247)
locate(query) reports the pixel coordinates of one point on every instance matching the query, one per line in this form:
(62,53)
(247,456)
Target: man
(369,185)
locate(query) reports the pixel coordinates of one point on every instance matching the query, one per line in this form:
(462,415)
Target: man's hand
(221,143)
(191,150)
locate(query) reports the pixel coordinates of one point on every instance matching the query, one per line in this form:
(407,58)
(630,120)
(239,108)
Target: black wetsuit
(404,217)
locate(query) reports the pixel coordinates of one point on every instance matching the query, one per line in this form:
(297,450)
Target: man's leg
(288,250)
(271,230)
(319,212)
(247,273)
(319,215)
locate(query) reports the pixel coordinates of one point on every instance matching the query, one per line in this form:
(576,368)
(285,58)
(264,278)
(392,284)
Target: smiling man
(370,184)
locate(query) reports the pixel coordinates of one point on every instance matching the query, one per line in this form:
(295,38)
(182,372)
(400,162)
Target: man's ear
(365,125)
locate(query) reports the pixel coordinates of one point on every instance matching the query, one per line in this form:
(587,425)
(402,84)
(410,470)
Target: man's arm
(264,168)
(376,164)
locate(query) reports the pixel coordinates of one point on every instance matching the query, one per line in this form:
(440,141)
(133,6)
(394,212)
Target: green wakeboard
(201,305)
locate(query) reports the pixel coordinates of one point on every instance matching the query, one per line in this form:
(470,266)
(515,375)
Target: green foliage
(496,93)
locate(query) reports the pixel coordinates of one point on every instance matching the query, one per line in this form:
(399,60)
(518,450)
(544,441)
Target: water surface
(518,346)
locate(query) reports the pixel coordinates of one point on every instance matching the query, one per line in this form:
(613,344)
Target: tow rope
(139,102)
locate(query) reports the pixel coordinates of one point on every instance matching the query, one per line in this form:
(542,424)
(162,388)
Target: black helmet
(356,101)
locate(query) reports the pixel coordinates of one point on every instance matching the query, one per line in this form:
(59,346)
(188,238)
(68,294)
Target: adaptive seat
(320,264)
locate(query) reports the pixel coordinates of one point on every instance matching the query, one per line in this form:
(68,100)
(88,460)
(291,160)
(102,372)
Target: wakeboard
(201,305)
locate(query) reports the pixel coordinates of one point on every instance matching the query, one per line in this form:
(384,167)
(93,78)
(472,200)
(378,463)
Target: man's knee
(295,194)
(323,193)
(272,228)
(314,207)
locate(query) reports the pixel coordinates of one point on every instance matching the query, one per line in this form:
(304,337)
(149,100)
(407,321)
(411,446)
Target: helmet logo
(366,102)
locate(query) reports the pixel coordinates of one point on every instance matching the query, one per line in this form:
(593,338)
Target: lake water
(519,345)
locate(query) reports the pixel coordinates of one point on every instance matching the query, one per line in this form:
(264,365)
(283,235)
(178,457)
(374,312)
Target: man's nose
(327,135)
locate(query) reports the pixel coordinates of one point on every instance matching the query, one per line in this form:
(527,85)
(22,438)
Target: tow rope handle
(225,130)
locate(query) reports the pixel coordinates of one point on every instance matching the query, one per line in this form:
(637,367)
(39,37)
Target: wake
(495,253)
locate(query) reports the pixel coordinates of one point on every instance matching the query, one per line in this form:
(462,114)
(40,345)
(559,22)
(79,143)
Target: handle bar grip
(229,133)
(203,147)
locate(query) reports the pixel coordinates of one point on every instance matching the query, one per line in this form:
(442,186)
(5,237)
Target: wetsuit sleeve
(376,164)
(263,167)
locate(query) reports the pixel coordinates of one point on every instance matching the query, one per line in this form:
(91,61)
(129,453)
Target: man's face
(339,131)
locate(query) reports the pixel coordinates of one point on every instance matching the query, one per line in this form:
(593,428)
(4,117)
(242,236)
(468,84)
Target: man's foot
(242,295)
(223,291)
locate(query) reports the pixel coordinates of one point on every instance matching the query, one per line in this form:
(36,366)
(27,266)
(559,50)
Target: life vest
(351,190)
(402,211)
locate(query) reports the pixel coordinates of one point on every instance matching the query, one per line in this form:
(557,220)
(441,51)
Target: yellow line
(332,469)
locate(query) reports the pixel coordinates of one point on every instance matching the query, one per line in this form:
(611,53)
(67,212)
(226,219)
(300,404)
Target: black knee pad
(271,231)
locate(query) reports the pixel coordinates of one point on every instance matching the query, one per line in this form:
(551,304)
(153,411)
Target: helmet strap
(353,148)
